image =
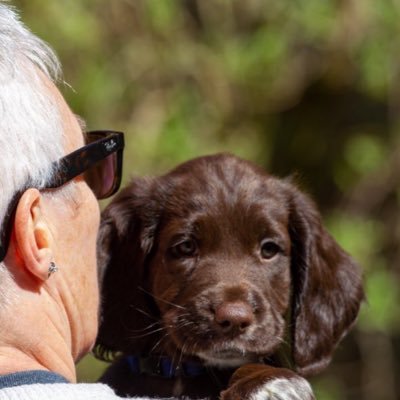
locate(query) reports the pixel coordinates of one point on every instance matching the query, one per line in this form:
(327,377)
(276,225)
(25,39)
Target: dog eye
(269,249)
(186,248)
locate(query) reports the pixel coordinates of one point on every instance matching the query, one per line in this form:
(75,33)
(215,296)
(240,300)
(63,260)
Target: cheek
(87,217)
(78,232)
(280,288)
(166,281)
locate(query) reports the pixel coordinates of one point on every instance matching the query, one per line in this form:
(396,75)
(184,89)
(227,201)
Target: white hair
(31,131)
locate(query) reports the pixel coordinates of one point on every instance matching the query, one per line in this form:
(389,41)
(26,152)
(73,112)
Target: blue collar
(163,366)
(30,378)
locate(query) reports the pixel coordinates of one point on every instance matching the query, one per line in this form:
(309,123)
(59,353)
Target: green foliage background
(299,86)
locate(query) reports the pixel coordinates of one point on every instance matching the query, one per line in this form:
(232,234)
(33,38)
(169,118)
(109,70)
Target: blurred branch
(379,372)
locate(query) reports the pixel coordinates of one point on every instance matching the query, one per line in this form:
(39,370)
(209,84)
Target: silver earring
(52,268)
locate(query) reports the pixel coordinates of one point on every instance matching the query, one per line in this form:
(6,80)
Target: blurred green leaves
(362,238)
(366,153)
(381,312)
(329,388)
(315,19)
(163,15)
(306,86)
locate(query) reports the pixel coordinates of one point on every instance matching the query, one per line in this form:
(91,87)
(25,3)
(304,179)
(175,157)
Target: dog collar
(163,366)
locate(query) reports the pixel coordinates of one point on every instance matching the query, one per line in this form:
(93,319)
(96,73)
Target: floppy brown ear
(327,288)
(124,244)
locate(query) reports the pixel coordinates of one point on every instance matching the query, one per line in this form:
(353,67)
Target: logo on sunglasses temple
(110,145)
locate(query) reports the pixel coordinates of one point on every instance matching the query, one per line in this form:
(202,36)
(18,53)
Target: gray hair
(31,131)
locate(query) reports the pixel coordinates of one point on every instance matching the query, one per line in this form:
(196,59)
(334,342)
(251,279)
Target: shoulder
(60,391)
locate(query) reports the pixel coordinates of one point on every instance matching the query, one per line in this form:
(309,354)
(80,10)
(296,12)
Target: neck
(15,360)
(41,343)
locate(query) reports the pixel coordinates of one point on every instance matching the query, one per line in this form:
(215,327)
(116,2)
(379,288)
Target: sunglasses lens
(104,177)
(101,178)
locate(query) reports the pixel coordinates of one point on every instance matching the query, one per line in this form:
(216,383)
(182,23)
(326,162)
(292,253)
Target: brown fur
(182,255)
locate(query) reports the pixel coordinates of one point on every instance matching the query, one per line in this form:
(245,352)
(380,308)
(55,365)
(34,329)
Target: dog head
(220,261)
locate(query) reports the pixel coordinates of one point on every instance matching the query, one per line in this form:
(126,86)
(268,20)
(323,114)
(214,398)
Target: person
(49,216)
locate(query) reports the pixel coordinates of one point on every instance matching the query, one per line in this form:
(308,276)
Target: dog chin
(227,358)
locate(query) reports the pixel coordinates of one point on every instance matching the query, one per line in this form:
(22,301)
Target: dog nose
(232,316)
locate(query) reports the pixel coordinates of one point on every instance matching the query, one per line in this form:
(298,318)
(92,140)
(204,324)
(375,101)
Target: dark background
(309,87)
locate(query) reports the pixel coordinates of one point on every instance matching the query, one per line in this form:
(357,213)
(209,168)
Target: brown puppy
(214,266)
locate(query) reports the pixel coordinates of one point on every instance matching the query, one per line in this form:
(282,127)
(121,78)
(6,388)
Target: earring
(52,268)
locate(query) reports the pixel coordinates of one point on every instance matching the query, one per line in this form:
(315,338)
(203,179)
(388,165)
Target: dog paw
(296,388)
(266,383)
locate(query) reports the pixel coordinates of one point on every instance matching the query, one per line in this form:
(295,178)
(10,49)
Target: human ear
(32,234)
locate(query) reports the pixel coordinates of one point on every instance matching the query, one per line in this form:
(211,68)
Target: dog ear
(125,241)
(327,287)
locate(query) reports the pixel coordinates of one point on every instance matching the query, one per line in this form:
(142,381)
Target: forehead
(229,200)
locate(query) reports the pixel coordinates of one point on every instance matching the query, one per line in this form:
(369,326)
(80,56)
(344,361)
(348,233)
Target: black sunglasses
(100,162)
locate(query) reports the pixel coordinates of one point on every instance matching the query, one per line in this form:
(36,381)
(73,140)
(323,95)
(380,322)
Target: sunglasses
(100,163)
